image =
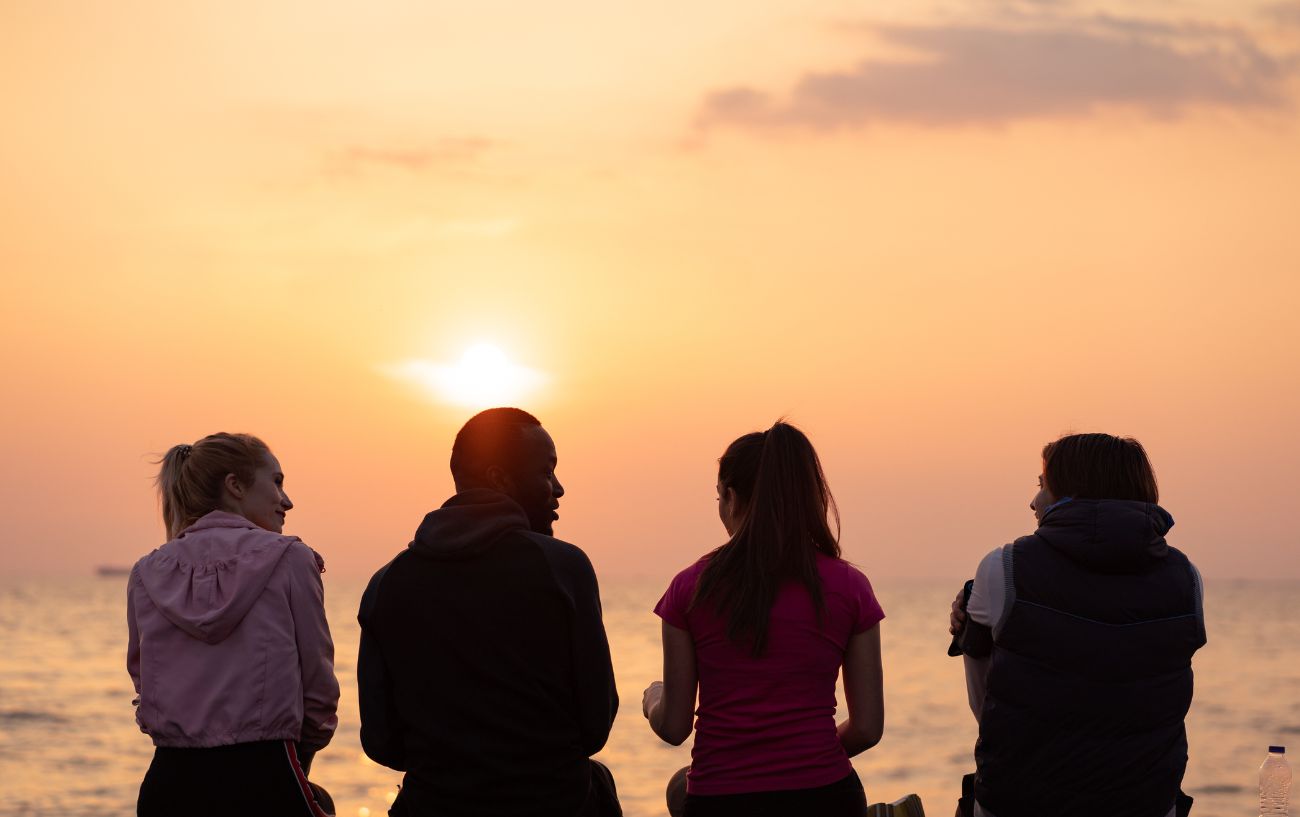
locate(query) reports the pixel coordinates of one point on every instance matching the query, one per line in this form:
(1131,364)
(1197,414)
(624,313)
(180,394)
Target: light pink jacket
(228,639)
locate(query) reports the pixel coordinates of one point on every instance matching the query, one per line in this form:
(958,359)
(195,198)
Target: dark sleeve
(381,727)
(988,602)
(595,696)
(976,640)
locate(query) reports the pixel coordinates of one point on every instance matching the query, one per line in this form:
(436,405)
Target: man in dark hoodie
(1078,641)
(484,670)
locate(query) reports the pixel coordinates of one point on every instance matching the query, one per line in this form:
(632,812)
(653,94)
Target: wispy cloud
(1286,13)
(1041,67)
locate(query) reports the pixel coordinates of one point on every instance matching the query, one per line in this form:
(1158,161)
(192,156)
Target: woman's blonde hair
(190,479)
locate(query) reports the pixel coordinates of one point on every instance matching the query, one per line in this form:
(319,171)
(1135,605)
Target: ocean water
(69,744)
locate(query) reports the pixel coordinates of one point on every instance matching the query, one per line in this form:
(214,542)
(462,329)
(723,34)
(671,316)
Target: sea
(69,745)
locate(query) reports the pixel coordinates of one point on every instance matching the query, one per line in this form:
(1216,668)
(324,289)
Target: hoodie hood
(467,523)
(207,579)
(1108,535)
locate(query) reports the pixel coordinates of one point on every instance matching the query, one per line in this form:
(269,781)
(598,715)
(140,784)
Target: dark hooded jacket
(1090,675)
(484,671)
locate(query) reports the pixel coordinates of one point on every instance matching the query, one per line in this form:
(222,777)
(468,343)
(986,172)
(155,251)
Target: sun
(483,377)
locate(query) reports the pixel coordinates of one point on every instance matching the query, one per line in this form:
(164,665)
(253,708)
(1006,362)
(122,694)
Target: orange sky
(935,237)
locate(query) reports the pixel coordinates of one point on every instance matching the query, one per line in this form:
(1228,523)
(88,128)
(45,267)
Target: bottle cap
(1277,750)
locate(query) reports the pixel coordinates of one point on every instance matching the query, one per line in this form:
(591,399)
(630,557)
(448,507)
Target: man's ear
(232,484)
(498,480)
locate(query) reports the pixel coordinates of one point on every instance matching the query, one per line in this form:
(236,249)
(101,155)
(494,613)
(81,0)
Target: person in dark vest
(1078,643)
(484,670)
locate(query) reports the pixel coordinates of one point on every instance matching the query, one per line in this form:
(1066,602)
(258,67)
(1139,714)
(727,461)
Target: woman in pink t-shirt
(762,626)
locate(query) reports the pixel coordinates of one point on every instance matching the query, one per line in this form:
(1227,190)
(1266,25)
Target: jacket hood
(1108,535)
(467,523)
(207,579)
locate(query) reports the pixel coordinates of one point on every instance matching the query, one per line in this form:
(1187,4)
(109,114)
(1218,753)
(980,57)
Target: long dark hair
(780,485)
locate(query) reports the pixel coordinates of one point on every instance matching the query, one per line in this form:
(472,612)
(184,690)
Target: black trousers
(602,801)
(262,779)
(966,805)
(843,798)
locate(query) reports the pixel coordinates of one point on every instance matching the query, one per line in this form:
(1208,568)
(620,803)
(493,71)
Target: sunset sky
(935,235)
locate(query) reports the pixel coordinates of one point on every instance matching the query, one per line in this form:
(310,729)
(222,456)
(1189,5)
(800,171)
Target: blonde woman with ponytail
(228,648)
(762,627)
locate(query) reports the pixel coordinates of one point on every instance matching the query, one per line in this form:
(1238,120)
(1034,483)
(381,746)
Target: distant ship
(112,570)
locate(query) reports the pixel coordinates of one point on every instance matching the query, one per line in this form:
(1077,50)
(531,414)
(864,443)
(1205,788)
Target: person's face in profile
(262,502)
(535,486)
(1042,500)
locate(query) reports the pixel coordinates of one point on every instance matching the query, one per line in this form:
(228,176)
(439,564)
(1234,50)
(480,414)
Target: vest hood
(1107,535)
(467,523)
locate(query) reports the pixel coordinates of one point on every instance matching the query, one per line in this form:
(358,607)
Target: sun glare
(483,377)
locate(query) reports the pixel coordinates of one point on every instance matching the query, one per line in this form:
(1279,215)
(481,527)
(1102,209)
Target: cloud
(1286,13)
(1050,67)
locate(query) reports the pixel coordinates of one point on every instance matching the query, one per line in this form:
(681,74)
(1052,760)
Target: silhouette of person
(484,672)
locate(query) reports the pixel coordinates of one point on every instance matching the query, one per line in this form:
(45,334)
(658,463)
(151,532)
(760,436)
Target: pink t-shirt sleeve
(676,599)
(868,612)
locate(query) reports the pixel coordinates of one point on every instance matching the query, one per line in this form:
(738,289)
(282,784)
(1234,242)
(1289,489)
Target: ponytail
(779,482)
(190,477)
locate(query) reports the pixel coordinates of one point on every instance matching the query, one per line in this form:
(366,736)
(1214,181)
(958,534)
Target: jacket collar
(219,519)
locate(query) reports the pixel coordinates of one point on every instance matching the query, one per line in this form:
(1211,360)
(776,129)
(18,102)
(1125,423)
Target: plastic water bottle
(1274,783)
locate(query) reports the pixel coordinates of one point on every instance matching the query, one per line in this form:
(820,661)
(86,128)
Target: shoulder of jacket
(370,596)
(298,563)
(561,554)
(1028,540)
(551,543)
(299,551)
